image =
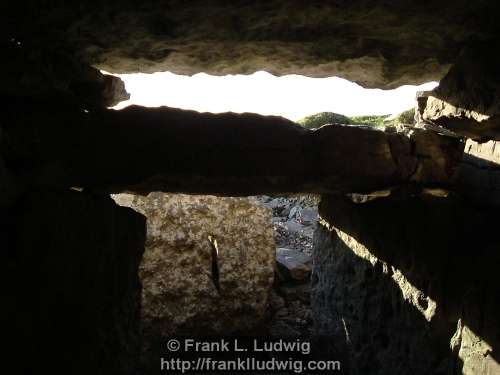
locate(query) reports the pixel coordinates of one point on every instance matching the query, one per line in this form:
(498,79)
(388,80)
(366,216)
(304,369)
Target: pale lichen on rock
(180,292)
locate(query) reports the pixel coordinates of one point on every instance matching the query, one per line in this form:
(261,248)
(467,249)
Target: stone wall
(407,285)
(208,266)
(70,286)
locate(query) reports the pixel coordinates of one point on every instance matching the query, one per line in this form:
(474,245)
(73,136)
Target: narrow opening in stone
(215,261)
(294,97)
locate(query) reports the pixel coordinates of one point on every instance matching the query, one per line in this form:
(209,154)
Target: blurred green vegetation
(323,118)
(372,120)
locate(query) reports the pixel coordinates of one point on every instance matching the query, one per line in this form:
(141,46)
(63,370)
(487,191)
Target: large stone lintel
(163,149)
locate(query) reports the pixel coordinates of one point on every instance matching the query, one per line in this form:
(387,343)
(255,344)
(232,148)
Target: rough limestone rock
(407,286)
(142,150)
(209,263)
(54,71)
(467,100)
(375,43)
(478,175)
(70,287)
(293,263)
(475,352)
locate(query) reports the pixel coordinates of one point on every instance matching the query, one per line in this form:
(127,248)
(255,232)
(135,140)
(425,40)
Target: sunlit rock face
(375,43)
(478,175)
(407,285)
(467,100)
(208,266)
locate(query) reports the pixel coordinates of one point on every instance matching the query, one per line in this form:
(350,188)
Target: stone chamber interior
(405,254)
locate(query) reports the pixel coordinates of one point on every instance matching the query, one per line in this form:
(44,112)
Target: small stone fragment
(293,263)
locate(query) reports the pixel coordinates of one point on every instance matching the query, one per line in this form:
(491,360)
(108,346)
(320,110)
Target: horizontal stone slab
(141,150)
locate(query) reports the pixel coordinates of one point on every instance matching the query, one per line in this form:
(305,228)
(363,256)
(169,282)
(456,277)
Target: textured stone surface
(478,175)
(467,100)
(376,43)
(407,286)
(293,263)
(438,157)
(182,293)
(163,149)
(70,286)
(475,353)
(51,71)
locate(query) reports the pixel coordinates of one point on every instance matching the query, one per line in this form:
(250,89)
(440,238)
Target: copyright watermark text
(189,355)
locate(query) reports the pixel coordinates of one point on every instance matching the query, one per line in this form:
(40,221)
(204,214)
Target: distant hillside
(323,118)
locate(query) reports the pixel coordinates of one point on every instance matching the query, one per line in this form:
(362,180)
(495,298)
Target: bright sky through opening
(292,96)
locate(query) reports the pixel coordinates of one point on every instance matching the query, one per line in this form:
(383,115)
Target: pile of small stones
(294,220)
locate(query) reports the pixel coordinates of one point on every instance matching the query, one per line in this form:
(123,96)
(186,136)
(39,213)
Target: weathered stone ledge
(163,149)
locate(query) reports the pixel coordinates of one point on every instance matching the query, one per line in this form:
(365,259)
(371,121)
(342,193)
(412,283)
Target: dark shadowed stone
(9,187)
(478,175)
(377,43)
(301,292)
(282,330)
(163,149)
(70,284)
(53,70)
(396,281)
